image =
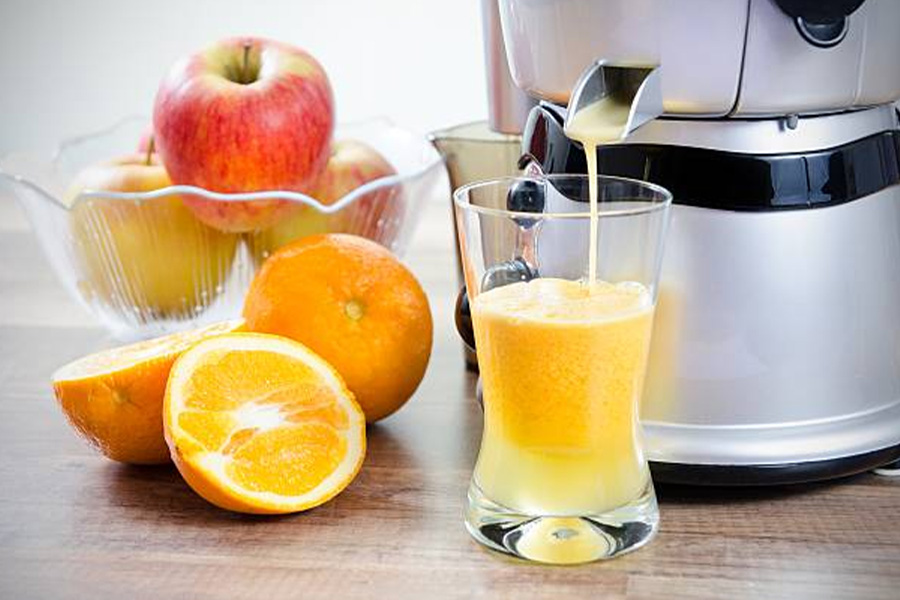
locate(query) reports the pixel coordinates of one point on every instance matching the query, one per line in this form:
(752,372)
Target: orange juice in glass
(560,476)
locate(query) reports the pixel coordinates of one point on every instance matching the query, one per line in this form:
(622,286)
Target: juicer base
(772,474)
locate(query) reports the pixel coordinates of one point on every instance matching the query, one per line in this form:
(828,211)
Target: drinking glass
(561,476)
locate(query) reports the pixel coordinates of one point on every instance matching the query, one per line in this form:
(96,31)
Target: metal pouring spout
(633,85)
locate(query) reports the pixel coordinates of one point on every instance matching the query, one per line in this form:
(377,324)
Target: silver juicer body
(776,354)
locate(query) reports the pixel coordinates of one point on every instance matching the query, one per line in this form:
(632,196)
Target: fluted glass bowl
(144,265)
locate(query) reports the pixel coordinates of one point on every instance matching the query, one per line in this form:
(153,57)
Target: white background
(72,66)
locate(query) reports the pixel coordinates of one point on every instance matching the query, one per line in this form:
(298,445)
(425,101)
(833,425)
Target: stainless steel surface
(637,86)
(879,71)
(550,42)
(508,105)
(773,445)
(776,337)
(719,57)
(783,73)
(768,136)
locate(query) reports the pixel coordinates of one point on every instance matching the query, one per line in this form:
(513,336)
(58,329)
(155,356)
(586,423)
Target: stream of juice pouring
(600,122)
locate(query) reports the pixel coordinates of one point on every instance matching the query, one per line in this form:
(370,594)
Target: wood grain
(74,525)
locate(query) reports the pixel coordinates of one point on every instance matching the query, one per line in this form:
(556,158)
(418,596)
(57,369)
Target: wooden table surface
(75,525)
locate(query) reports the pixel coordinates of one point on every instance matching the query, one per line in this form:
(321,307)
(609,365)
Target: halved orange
(259,423)
(114,398)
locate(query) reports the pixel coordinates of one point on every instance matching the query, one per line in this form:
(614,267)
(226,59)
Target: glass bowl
(145,266)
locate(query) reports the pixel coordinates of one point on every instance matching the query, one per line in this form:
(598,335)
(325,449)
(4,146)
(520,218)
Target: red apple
(246,114)
(352,164)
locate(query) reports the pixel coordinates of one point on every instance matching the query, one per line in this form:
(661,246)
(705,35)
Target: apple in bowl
(351,164)
(244,115)
(146,143)
(151,255)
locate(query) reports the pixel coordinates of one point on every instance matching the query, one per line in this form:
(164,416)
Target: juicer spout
(636,86)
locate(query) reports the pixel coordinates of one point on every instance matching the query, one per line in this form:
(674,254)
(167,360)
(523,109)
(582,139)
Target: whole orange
(353,303)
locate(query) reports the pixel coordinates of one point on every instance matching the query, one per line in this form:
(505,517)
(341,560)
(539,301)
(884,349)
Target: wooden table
(75,525)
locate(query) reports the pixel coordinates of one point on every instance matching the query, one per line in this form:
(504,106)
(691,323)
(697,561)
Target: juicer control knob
(498,275)
(822,23)
(463,318)
(525,196)
(505,273)
(823,35)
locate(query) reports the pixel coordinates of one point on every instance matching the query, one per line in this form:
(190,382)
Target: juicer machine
(776,350)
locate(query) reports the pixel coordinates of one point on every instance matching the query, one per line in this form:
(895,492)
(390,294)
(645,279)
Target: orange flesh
(246,423)
(288,460)
(114,398)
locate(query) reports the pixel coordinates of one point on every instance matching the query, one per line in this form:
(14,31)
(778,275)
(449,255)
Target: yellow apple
(300,221)
(152,255)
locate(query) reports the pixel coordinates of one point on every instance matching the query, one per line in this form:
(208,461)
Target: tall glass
(561,476)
